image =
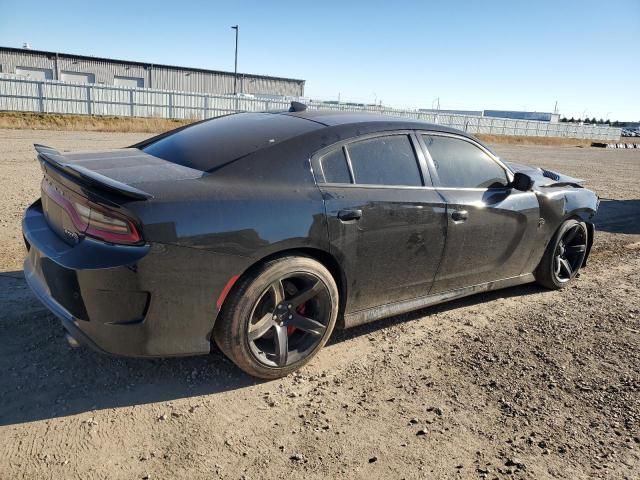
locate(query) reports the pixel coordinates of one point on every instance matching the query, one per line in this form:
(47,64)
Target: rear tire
(278,316)
(564,255)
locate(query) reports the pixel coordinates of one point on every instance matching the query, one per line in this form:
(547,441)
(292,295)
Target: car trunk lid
(83,193)
(123,172)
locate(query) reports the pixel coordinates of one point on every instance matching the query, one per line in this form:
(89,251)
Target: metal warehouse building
(517,115)
(42,65)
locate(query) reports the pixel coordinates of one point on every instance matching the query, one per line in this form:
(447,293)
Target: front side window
(388,160)
(461,164)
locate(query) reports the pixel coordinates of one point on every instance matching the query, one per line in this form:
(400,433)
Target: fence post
(40,98)
(170,105)
(89,101)
(131,104)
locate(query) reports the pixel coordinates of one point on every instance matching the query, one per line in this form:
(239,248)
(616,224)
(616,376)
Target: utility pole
(235,74)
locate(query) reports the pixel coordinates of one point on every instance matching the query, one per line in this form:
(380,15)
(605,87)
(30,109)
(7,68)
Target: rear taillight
(95,220)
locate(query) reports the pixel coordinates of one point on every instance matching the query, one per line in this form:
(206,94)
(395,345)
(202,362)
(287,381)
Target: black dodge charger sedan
(264,231)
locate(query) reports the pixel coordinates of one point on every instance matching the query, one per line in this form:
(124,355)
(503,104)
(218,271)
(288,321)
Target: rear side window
(208,145)
(460,164)
(334,167)
(386,160)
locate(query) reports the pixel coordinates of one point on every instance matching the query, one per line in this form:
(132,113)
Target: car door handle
(459,215)
(347,215)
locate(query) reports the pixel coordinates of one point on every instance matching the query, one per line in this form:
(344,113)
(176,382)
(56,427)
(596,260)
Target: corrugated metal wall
(153,76)
(18,94)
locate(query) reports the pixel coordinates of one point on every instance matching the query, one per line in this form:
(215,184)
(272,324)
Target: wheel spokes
(281,344)
(570,235)
(575,249)
(564,264)
(261,327)
(307,324)
(289,319)
(557,265)
(278,291)
(307,294)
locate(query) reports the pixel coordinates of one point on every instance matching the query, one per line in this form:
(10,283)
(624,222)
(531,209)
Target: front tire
(278,316)
(564,255)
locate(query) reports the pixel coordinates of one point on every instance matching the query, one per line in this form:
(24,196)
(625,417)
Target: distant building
(43,65)
(539,116)
(476,113)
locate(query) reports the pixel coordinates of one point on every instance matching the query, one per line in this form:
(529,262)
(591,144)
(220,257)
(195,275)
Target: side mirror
(522,182)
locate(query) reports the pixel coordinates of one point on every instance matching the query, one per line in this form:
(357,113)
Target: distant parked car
(264,231)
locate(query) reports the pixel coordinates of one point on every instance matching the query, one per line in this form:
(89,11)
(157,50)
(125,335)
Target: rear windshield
(208,145)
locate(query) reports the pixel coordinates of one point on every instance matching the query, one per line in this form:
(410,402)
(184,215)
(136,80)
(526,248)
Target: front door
(386,228)
(490,227)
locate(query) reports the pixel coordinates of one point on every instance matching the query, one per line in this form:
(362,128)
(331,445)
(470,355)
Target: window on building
(130,82)
(34,73)
(77,77)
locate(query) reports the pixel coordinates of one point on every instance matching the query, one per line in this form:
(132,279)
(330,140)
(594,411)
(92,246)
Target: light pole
(235,74)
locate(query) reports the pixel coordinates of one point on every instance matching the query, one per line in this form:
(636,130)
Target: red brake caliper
(300,309)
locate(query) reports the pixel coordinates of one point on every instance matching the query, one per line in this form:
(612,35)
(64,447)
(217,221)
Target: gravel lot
(520,383)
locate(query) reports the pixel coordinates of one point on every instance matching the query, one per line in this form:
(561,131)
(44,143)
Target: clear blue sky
(472,55)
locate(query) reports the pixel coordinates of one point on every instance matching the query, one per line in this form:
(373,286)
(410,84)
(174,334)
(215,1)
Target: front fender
(558,204)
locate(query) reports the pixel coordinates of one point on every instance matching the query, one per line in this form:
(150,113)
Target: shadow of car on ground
(45,378)
(618,216)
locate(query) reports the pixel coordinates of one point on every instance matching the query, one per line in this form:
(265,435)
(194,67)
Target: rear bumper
(127,301)
(69,322)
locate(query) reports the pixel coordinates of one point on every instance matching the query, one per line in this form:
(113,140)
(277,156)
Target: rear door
(386,222)
(490,226)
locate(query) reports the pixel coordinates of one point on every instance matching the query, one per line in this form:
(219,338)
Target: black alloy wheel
(570,252)
(289,319)
(564,255)
(278,316)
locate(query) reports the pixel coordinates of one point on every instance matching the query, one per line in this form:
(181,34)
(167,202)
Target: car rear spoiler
(57,160)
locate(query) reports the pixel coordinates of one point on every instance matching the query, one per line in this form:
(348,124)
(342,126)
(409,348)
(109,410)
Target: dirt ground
(520,383)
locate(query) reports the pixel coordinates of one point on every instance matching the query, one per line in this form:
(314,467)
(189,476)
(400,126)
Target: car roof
(332,118)
(210,144)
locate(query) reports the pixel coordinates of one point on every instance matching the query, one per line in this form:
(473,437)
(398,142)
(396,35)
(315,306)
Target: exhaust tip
(73,343)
